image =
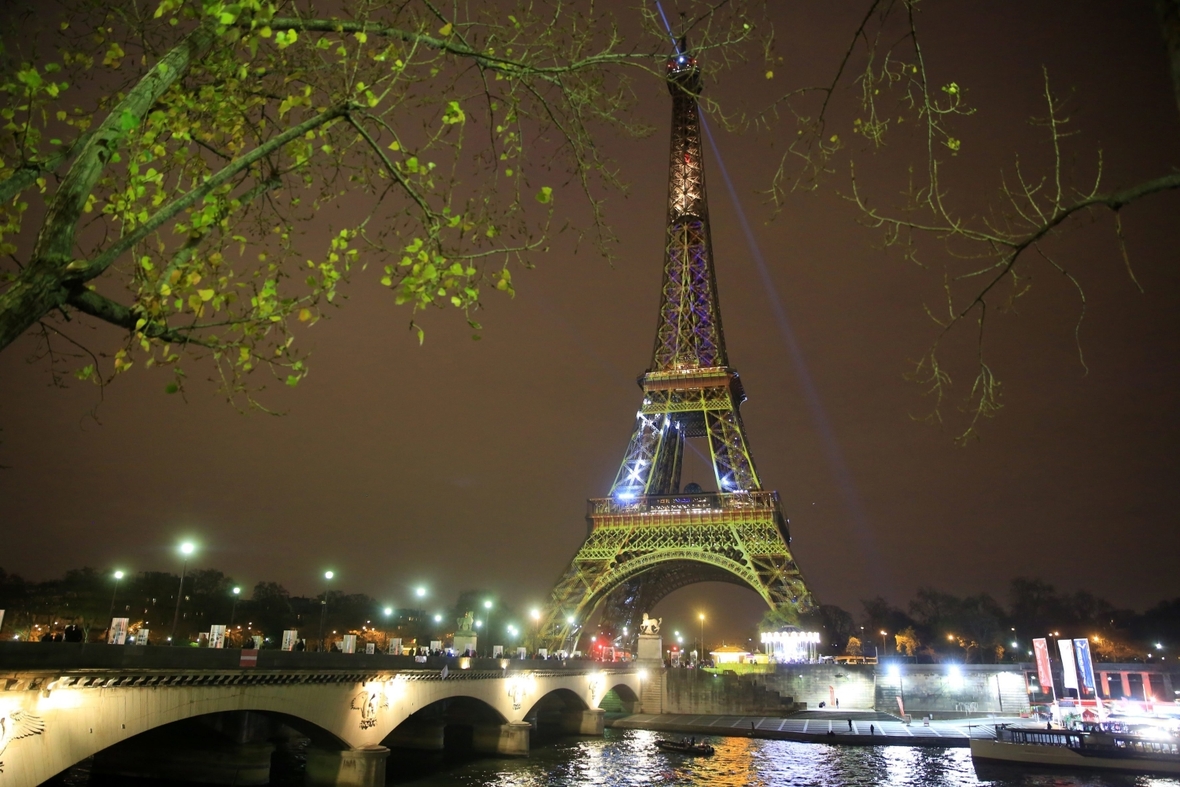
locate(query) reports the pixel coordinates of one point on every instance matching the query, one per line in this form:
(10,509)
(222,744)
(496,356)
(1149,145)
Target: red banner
(1044,675)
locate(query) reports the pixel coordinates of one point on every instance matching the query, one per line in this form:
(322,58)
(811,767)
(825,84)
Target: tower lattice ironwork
(649,537)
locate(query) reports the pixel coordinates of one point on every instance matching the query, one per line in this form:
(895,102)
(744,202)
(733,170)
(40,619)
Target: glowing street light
(237,591)
(420,592)
(701,616)
(328,576)
(118,576)
(884,634)
(186,549)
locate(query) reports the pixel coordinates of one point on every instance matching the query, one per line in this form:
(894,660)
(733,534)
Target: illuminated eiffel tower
(650,537)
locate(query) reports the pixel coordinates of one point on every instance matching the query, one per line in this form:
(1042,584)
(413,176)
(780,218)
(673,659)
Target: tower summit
(650,537)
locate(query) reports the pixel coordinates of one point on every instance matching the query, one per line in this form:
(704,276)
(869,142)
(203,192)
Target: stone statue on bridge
(466,623)
(650,625)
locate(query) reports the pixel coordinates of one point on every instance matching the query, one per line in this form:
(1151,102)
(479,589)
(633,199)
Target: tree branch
(27,174)
(55,243)
(88,270)
(117,314)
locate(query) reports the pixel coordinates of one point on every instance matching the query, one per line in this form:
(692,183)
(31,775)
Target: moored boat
(1153,751)
(684,747)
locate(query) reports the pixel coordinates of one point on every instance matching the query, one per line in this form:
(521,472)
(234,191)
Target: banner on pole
(217,636)
(370,648)
(349,645)
(289,637)
(1044,675)
(497,651)
(1069,671)
(141,637)
(395,646)
(1081,649)
(118,632)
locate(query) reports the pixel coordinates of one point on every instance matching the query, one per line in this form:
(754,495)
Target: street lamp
(234,609)
(420,592)
(487,605)
(328,575)
(118,575)
(884,633)
(186,549)
(701,658)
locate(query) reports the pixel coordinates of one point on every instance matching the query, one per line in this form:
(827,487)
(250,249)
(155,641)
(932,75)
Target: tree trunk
(36,292)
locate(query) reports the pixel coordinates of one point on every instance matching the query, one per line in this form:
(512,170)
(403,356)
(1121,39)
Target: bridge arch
(71,714)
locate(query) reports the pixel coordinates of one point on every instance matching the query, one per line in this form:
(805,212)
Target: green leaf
(453,114)
(171,388)
(545,195)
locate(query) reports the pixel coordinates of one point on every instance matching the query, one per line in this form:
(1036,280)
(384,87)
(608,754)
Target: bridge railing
(68,656)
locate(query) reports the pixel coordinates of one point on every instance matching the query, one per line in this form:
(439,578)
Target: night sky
(463,464)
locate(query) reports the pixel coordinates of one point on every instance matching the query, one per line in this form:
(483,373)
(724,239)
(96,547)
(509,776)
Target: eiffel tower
(650,537)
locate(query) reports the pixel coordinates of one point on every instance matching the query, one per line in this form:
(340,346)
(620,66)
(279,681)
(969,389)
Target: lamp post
(388,612)
(884,634)
(233,611)
(324,607)
(535,614)
(487,605)
(118,575)
(186,549)
(701,658)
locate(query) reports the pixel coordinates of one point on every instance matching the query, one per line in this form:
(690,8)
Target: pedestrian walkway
(852,728)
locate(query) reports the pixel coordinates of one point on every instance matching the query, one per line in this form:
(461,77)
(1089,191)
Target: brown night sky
(464,464)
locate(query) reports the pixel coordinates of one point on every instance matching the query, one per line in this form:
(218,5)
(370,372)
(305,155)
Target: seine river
(627,757)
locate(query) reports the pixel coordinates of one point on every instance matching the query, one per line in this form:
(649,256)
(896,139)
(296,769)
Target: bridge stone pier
(202,716)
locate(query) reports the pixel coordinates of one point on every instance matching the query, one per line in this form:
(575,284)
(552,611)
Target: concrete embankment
(852,728)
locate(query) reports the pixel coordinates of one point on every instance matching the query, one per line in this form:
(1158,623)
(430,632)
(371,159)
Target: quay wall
(937,690)
(700,692)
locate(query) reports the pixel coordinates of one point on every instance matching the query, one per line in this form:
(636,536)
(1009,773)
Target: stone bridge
(214,715)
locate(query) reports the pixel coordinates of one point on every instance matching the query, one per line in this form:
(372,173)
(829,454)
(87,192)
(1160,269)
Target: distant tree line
(88,599)
(978,629)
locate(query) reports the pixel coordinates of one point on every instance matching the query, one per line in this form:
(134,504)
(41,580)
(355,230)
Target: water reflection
(630,758)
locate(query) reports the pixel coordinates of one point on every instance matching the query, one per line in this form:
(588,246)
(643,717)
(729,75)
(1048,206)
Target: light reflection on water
(630,758)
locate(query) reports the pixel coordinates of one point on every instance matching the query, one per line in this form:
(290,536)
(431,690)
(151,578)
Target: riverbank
(847,728)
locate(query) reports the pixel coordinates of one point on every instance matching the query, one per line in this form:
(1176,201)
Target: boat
(684,747)
(1151,750)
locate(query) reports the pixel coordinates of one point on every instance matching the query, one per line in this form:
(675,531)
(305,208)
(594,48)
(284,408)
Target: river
(628,757)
